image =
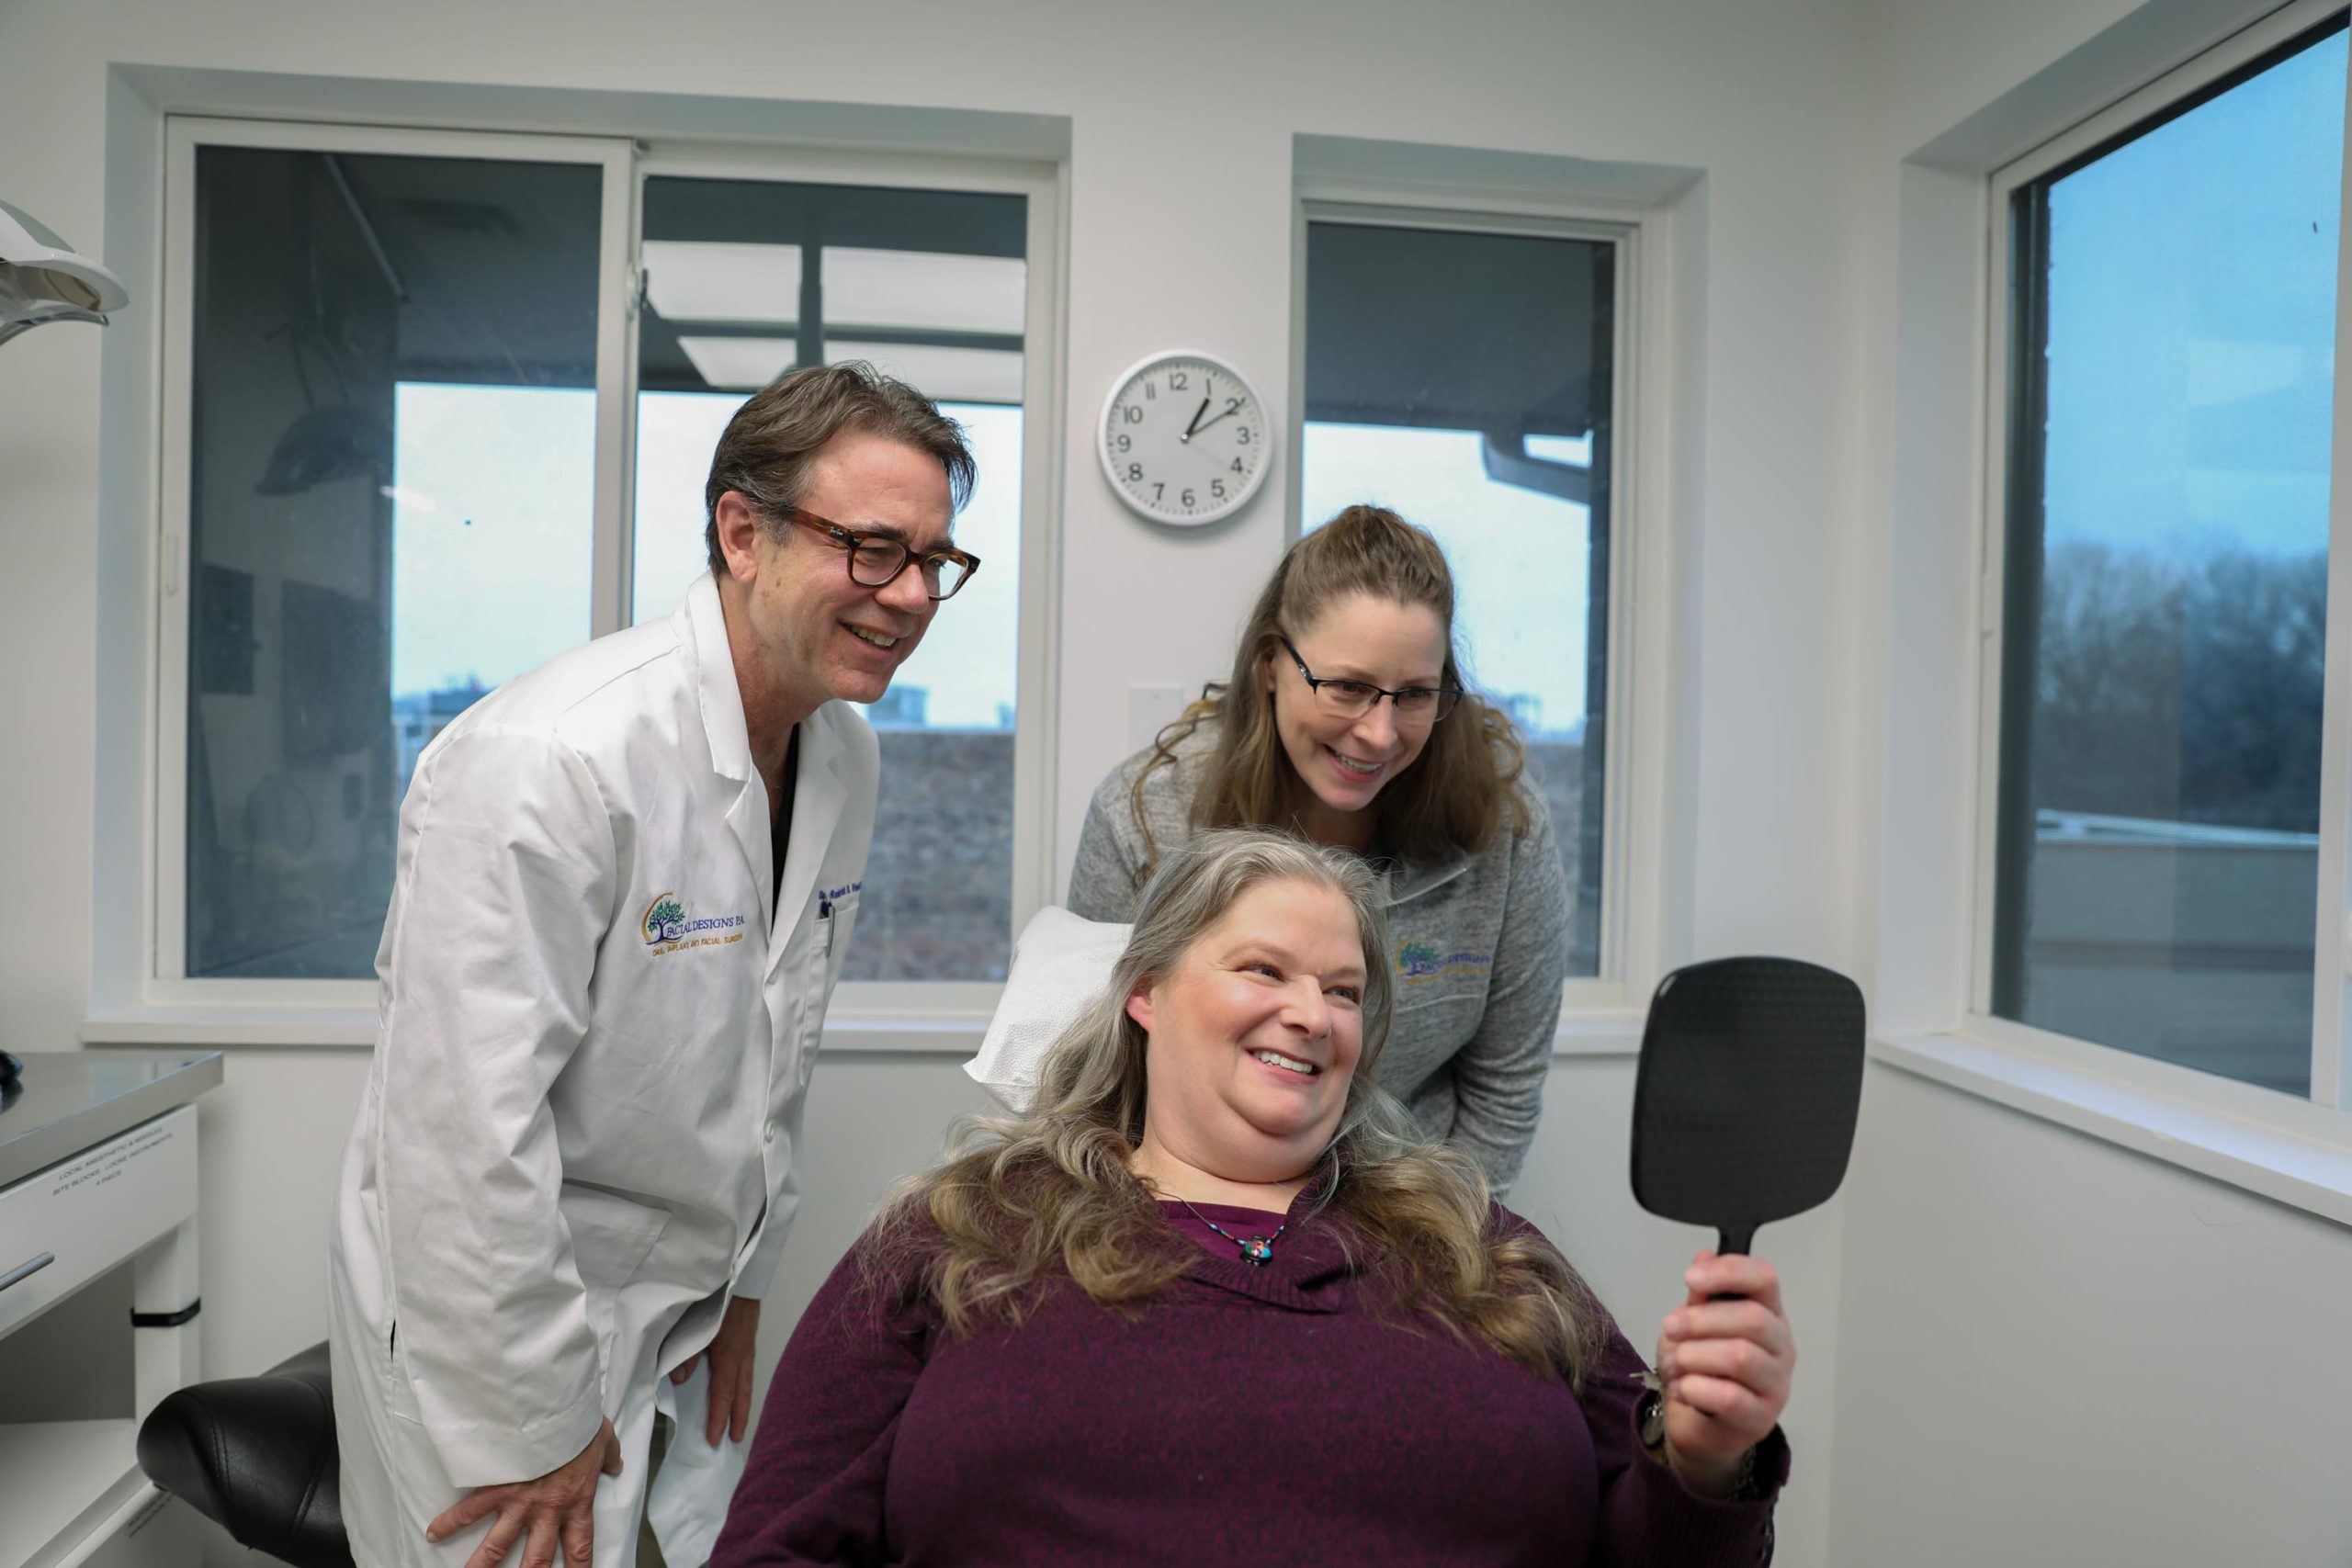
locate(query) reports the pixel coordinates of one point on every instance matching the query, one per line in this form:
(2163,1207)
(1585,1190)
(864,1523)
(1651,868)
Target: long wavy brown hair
(1457,793)
(1021,1206)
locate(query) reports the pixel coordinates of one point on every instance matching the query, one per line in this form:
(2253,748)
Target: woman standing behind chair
(1346,719)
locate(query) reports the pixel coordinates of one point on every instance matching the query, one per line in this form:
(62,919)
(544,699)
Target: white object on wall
(1146,443)
(42,279)
(1152,706)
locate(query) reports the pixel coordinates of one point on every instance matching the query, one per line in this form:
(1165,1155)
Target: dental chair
(258,1456)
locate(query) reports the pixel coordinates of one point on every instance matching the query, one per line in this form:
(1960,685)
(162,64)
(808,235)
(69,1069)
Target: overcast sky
(2192,324)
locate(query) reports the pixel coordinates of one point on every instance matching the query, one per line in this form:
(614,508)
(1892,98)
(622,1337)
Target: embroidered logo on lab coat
(667,927)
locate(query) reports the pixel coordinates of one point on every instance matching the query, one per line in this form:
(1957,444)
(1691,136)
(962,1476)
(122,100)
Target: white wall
(2055,1351)
(1180,177)
(2052,1351)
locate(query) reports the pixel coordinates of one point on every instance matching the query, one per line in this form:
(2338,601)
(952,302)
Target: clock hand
(1197,420)
(1230,413)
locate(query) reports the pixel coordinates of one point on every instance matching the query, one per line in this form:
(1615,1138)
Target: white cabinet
(99,1167)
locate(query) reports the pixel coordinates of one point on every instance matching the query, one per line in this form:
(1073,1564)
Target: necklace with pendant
(1256,1251)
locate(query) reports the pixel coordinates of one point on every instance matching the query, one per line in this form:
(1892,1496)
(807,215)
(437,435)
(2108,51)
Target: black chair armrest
(258,1456)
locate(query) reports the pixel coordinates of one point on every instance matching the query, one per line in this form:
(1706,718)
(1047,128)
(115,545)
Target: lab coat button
(771,1133)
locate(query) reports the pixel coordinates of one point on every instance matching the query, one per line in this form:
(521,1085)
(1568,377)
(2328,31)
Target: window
(2171,300)
(395,370)
(390,479)
(746,279)
(1466,378)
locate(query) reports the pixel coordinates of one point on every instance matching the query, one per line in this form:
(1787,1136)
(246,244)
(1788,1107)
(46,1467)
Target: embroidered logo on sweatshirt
(1419,963)
(666,927)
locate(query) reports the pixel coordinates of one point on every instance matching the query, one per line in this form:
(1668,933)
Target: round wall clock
(1184,438)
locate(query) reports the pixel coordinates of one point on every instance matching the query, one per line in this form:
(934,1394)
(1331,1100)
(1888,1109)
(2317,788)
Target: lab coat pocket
(610,1234)
(836,929)
(399,1395)
(611,1237)
(822,971)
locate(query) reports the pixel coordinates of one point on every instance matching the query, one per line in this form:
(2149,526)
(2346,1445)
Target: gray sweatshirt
(1480,944)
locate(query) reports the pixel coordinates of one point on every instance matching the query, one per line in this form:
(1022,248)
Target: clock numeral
(1135,471)
(1150,392)
(1241,435)
(1217,488)
(1131,413)
(1237,467)
(1188,502)
(1125,442)
(1177,381)
(1158,490)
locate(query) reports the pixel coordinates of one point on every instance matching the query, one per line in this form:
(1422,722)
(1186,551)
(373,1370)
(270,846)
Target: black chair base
(258,1456)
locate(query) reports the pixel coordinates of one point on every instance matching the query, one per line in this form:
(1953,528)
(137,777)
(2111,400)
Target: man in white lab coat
(624,887)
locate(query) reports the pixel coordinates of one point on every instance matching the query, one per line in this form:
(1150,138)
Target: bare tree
(2181,690)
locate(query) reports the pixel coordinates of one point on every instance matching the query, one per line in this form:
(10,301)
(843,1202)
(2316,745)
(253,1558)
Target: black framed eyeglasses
(875,559)
(1352,699)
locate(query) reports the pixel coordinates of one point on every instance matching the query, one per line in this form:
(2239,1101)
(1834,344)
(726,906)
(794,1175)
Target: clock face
(1184,438)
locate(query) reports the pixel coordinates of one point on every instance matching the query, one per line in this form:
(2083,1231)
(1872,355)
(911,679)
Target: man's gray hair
(767,447)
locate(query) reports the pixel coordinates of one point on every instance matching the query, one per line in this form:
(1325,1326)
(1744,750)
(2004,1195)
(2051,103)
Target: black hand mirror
(1744,1107)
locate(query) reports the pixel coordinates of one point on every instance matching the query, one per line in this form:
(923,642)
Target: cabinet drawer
(149,1529)
(92,1212)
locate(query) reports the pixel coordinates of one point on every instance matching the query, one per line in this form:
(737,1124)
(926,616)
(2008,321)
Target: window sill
(852,1030)
(2305,1173)
(191,1024)
(849,1028)
(1599,1031)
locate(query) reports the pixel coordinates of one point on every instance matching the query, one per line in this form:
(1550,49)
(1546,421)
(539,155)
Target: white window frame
(166,983)
(1599,1013)
(884,1007)
(2319,1119)
(169,1007)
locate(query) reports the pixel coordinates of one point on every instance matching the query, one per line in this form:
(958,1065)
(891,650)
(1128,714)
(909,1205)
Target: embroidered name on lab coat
(668,928)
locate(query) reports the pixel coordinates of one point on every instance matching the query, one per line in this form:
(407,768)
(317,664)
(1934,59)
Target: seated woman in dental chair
(1214,1300)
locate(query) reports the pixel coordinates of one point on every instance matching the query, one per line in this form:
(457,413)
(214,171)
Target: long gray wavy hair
(1019,1204)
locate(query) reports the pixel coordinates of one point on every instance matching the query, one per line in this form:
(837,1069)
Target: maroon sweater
(1252,1414)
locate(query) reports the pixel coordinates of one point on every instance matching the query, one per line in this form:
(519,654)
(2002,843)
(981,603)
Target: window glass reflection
(2167,619)
(745,280)
(1463,379)
(393,365)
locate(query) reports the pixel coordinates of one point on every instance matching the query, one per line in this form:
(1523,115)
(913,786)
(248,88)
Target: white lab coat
(580,1132)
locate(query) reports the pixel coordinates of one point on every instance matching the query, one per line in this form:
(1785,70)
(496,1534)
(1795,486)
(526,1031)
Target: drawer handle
(24,1271)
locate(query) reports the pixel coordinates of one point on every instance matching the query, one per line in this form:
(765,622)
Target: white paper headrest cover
(1060,964)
